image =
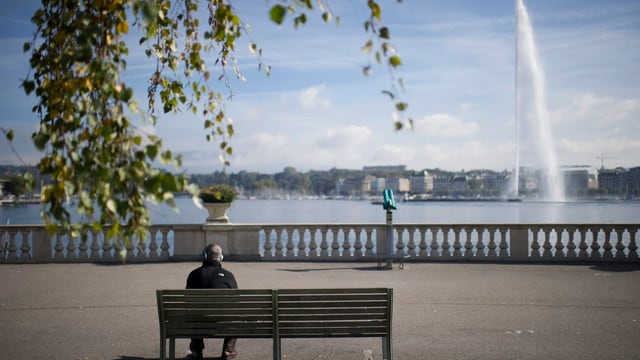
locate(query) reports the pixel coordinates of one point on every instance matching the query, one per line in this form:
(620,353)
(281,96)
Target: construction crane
(602,158)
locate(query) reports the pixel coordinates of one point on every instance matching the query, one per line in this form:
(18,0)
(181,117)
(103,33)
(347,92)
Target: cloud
(586,152)
(350,136)
(603,110)
(445,125)
(312,98)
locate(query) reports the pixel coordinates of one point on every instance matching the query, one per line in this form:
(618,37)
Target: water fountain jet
(531,110)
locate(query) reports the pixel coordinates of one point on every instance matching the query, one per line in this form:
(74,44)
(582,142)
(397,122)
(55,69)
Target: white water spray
(531,110)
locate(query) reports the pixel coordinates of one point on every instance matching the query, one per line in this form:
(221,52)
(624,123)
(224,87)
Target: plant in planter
(217,199)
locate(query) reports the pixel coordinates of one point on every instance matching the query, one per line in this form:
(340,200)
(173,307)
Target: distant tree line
(251,183)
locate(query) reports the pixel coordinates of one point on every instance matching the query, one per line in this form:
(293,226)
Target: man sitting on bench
(211,275)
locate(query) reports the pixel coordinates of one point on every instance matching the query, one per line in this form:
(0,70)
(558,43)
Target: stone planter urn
(217,212)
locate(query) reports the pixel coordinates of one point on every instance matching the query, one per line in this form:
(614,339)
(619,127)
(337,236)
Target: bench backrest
(216,313)
(359,312)
(335,312)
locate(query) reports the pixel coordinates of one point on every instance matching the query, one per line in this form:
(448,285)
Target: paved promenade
(441,311)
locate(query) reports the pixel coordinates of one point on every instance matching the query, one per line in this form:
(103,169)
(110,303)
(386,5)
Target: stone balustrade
(567,243)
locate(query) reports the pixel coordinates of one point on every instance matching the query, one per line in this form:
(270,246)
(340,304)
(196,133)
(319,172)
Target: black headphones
(205,254)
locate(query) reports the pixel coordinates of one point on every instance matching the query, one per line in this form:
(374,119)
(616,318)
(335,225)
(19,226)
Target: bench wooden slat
(329,317)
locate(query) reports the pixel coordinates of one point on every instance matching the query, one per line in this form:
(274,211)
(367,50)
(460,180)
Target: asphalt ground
(441,310)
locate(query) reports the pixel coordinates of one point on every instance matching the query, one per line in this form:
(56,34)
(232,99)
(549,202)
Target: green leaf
(9,134)
(401,106)
(395,61)
(28,86)
(383,33)
(277,13)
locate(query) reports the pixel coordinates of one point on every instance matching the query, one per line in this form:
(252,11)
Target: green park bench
(276,314)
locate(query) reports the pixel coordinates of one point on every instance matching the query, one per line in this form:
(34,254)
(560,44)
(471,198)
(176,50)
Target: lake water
(352,211)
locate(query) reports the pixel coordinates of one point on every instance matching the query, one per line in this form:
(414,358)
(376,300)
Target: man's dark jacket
(211,275)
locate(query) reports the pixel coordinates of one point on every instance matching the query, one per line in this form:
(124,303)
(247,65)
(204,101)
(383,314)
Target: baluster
(411,246)
(346,244)
(119,251)
(620,255)
(4,246)
(369,243)
(504,247)
(153,244)
(535,245)
(107,246)
(445,243)
(468,245)
(583,254)
(607,254)
(141,249)
(279,245)
(94,247)
(595,246)
(82,249)
(25,249)
(164,245)
(12,255)
(546,245)
(71,247)
(571,245)
(335,246)
(302,244)
(423,243)
(13,248)
(130,255)
(290,245)
(492,254)
(435,247)
(399,233)
(480,253)
(313,245)
(559,246)
(324,246)
(457,254)
(358,245)
(58,248)
(633,255)
(267,243)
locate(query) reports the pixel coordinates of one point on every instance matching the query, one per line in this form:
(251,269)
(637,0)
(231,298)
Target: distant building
(441,185)
(387,168)
(421,183)
(377,185)
(357,186)
(631,182)
(399,185)
(610,180)
(459,183)
(496,184)
(576,180)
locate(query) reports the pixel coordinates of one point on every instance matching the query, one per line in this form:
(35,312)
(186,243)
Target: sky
(317,111)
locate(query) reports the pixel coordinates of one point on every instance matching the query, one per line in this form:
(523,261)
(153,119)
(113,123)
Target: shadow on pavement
(616,267)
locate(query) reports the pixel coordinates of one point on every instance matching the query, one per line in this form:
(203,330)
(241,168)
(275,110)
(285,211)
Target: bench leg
(163,344)
(277,348)
(172,348)
(386,348)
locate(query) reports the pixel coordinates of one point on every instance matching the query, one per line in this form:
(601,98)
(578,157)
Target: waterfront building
(398,185)
(576,179)
(377,185)
(632,181)
(495,185)
(421,183)
(385,168)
